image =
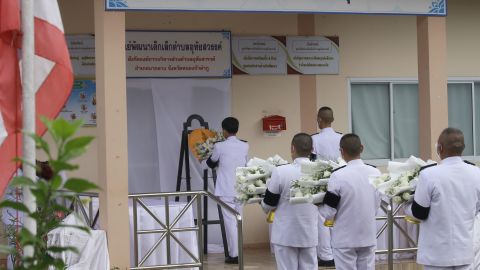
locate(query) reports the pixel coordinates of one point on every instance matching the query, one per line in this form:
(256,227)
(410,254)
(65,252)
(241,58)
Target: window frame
(410,80)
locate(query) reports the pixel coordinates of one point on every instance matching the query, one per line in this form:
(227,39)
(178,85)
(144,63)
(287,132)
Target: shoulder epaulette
(339,132)
(314,134)
(341,167)
(427,166)
(371,165)
(243,141)
(470,163)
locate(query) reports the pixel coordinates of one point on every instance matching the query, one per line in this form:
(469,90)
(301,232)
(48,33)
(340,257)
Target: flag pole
(28,100)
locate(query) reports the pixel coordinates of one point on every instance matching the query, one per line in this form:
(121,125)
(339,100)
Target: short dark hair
(230,124)
(453,141)
(351,144)
(303,144)
(326,114)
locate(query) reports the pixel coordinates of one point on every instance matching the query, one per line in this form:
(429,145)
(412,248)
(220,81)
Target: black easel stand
(185,160)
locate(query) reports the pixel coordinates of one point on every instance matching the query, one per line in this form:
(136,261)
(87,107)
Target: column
(112,132)
(432,77)
(308,83)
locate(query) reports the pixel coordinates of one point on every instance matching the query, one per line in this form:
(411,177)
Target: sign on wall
(389,7)
(82,55)
(259,55)
(178,54)
(313,55)
(82,103)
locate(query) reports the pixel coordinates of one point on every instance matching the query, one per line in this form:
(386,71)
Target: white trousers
(476,242)
(462,267)
(231,225)
(324,248)
(354,258)
(293,258)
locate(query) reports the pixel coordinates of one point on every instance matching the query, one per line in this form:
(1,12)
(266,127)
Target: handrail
(168,229)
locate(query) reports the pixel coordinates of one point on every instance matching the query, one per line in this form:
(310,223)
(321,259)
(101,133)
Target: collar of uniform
(300,160)
(327,129)
(232,137)
(451,160)
(355,162)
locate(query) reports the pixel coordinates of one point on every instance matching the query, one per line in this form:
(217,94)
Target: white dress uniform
(229,155)
(294,224)
(353,202)
(447,199)
(326,146)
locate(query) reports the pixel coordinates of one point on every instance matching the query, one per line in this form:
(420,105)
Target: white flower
(259,183)
(298,194)
(326,174)
(397,199)
(251,188)
(406,196)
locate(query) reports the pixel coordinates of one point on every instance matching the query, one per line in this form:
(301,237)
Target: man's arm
(332,198)
(214,159)
(420,207)
(273,193)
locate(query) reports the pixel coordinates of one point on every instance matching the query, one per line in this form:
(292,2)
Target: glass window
(477,118)
(405,120)
(371,118)
(460,112)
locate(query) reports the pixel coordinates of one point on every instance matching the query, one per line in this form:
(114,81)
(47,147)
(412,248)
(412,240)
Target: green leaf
(22,181)
(63,129)
(79,185)
(78,143)
(40,196)
(14,205)
(56,182)
(40,143)
(58,166)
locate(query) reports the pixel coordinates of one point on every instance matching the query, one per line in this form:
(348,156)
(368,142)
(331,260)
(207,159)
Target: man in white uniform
(228,155)
(352,202)
(326,146)
(447,199)
(294,225)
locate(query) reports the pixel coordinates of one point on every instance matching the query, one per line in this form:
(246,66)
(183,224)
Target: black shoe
(231,260)
(323,263)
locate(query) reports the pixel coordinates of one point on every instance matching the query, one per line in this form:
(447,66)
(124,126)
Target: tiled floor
(263,260)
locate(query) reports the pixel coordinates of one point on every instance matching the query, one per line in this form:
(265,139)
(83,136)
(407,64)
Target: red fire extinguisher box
(274,123)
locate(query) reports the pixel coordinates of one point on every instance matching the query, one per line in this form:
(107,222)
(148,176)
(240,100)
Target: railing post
(199,232)
(135,230)
(167,224)
(240,242)
(390,234)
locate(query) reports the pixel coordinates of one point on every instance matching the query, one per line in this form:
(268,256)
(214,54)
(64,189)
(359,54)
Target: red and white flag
(53,76)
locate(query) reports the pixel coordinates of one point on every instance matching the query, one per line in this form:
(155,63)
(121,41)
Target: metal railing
(77,204)
(169,228)
(391,218)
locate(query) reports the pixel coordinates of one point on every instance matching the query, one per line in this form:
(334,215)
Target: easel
(185,160)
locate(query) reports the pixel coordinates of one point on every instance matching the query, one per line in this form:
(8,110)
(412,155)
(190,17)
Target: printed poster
(82,103)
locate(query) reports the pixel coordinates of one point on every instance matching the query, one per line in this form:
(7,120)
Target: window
(385,116)
(464,113)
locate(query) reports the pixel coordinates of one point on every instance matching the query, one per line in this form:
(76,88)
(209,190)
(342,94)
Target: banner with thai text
(152,54)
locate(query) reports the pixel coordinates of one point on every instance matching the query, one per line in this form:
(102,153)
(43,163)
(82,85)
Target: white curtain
(460,112)
(371,118)
(405,120)
(157,109)
(143,165)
